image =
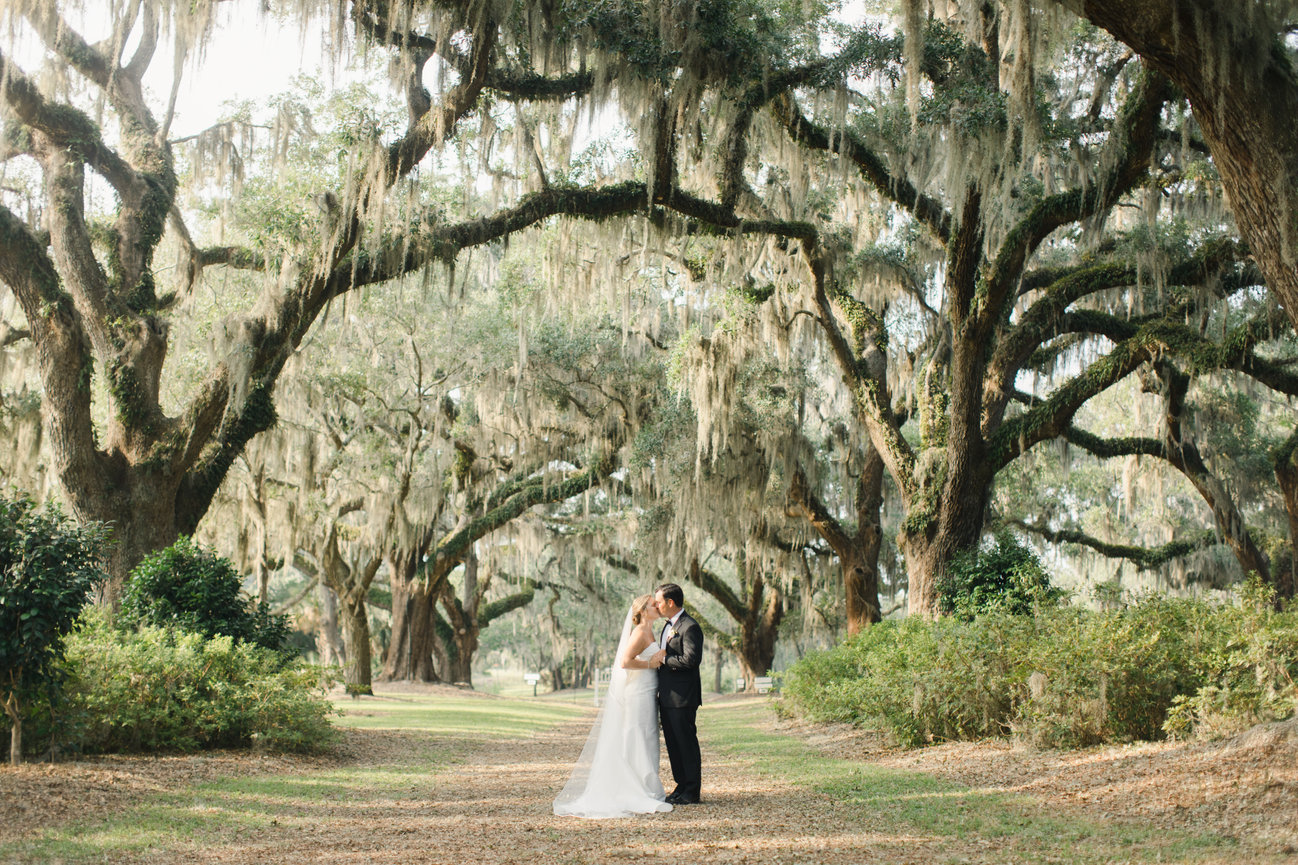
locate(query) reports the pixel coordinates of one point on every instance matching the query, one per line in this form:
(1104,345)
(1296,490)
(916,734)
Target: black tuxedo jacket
(678,678)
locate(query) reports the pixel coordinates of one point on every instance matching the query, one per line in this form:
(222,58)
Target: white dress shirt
(670,629)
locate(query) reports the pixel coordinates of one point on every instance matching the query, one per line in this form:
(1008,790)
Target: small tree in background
(48,566)
(190,587)
(1006,578)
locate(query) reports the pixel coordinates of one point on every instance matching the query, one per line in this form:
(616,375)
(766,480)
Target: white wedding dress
(617,773)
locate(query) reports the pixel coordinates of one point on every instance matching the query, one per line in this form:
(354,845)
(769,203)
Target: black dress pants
(682,738)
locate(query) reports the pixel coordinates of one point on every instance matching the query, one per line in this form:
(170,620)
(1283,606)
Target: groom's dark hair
(672,592)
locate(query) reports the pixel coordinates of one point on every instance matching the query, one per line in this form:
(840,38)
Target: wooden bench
(764,684)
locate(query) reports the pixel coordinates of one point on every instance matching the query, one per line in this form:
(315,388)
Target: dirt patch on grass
(1245,787)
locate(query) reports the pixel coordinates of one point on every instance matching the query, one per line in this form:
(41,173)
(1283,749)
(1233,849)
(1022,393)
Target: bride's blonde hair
(638,607)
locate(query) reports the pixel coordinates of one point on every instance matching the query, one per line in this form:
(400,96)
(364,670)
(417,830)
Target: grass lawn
(1019,828)
(255,811)
(226,810)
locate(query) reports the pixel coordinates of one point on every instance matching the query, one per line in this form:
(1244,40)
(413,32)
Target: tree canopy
(745,294)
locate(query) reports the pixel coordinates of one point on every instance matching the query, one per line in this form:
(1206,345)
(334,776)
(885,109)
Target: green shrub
(1112,676)
(168,689)
(48,565)
(1008,578)
(1062,678)
(1250,673)
(190,587)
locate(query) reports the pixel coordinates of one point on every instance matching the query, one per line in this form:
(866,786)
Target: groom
(679,691)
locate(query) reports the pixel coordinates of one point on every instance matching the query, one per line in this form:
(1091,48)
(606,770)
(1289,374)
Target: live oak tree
(94,306)
(999,169)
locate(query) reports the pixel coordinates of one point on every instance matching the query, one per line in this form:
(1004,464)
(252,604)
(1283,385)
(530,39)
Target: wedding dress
(617,773)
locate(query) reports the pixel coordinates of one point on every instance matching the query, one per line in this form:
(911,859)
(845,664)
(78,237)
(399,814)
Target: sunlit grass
(469,716)
(1021,828)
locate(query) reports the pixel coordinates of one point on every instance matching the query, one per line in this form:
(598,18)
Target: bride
(617,773)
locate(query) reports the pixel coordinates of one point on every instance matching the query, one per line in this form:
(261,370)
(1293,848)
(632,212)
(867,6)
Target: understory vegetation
(1061,676)
(189,663)
(167,689)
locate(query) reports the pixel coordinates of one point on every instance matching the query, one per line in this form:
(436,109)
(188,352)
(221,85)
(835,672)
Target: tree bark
(328,637)
(357,671)
(858,554)
(760,630)
(410,651)
(351,583)
(757,611)
(14,711)
(462,628)
(1286,473)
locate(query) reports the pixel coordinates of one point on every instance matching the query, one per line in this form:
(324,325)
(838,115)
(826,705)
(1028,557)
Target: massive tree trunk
(357,668)
(351,582)
(461,634)
(410,651)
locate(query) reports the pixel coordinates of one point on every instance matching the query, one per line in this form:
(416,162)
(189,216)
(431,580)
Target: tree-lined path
(439,777)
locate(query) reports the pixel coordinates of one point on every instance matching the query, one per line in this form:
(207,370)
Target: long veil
(607,722)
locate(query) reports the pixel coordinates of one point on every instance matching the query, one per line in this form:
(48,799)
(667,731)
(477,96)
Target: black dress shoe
(674,799)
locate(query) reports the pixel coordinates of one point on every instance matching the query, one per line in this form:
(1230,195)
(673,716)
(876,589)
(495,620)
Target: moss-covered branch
(1135,133)
(1143,558)
(451,549)
(1050,418)
(488,613)
(64,125)
(928,210)
(717,588)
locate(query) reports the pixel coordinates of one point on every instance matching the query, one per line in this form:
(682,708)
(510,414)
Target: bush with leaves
(165,689)
(1063,678)
(48,566)
(1250,674)
(190,587)
(1007,578)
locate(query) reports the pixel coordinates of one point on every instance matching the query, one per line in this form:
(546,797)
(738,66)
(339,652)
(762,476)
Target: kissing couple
(655,678)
